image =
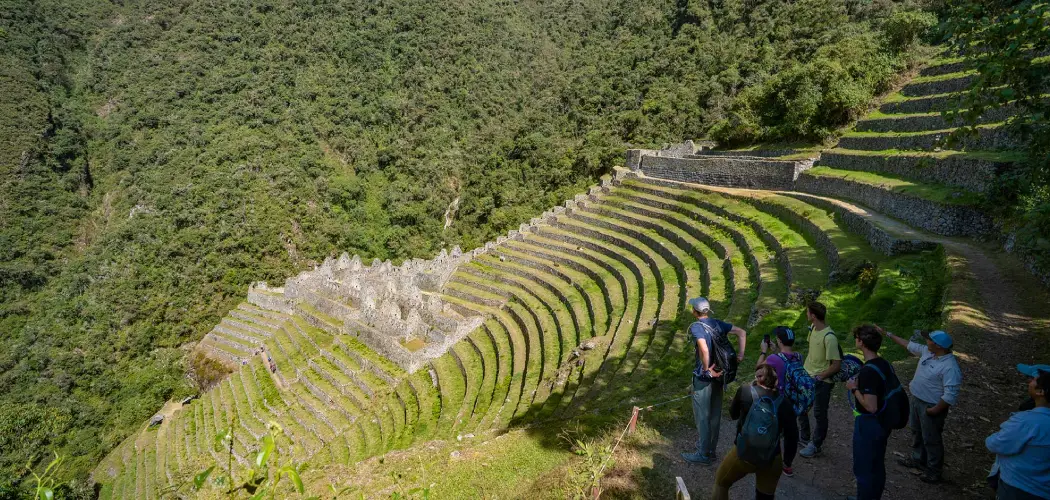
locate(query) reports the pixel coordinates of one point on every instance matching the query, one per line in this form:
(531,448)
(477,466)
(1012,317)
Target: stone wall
(923,105)
(943,219)
(878,238)
(938,86)
(715,171)
(969,174)
(986,139)
(930,122)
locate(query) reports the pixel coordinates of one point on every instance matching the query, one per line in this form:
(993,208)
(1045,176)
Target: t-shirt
(823,349)
(780,366)
(698,332)
(870,382)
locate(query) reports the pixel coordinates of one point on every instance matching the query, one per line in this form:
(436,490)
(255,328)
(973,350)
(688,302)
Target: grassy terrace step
(533,321)
(621,277)
(625,267)
(491,337)
(937,209)
(945,66)
(552,280)
(750,236)
(968,171)
(665,240)
(987,137)
(491,369)
(581,293)
(619,357)
(928,121)
(939,84)
(525,367)
(553,313)
(592,278)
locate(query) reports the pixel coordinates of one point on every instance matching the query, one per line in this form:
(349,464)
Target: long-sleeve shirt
(937,377)
(1022,449)
(786,419)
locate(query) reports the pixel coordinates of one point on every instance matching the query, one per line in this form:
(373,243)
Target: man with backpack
(767,420)
(792,379)
(715,367)
(934,389)
(822,362)
(881,406)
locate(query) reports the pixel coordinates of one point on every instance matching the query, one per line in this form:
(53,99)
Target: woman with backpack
(781,361)
(767,419)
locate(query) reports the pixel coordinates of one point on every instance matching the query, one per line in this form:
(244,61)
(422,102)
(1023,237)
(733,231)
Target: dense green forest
(157,157)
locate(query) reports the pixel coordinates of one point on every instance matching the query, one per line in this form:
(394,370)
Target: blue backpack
(801,389)
(759,438)
(850,366)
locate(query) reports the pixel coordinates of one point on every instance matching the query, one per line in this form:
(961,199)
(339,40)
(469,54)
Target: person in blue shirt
(708,381)
(1022,445)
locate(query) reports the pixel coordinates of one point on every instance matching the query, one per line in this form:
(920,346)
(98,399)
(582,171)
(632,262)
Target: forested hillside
(156,158)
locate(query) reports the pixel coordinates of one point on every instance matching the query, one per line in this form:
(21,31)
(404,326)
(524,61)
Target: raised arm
(897,340)
(741,337)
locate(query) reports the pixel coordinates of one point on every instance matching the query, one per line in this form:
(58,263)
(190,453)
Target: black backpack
(895,406)
(723,354)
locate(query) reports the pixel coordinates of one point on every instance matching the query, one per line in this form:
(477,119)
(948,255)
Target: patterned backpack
(799,387)
(850,366)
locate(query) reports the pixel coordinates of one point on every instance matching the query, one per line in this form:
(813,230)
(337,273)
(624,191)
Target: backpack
(850,365)
(722,354)
(895,406)
(759,438)
(801,389)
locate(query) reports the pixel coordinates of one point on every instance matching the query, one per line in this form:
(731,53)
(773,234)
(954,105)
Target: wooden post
(681,492)
(634,420)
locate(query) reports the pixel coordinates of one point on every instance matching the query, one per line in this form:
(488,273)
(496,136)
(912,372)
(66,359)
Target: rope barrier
(629,428)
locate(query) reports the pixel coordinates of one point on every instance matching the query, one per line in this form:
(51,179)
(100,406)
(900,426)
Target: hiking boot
(698,458)
(931,478)
(811,450)
(910,463)
(789,472)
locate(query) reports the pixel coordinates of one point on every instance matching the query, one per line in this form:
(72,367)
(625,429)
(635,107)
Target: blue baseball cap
(700,304)
(940,338)
(1033,370)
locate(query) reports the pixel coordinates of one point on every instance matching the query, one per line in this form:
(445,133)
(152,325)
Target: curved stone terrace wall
(725,171)
(969,174)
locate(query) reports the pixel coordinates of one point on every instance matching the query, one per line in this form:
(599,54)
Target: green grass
(946,76)
(932,192)
(913,134)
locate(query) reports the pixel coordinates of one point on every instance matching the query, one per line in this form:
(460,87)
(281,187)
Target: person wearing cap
(785,339)
(1022,445)
(708,384)
(934,390)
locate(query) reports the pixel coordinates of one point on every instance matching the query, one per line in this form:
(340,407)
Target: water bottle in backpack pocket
(759,438)
(799,386)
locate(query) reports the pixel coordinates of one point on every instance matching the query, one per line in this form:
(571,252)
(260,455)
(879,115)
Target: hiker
(934,390)
(871,389)
(757,408)
(784,338)
(1022,445)
(823,360)
(715,367)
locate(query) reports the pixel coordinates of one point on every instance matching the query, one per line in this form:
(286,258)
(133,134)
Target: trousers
(927,447)
(820,414)
(869,457)
(707,414)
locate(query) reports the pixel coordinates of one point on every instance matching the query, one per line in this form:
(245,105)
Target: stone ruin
(394,310)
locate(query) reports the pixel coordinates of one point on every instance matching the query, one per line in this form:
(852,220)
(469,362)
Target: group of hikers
(773,411)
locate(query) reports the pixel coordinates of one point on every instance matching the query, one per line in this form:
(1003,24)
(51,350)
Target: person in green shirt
(822,361)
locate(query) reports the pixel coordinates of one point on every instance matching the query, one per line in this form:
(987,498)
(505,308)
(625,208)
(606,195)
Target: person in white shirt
(934,390)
